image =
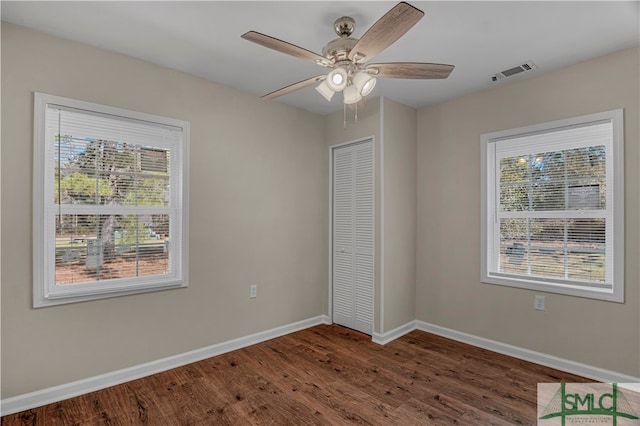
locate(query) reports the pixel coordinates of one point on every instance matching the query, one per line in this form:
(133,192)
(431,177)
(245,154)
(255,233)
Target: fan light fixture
(324,89)
(351,94)
(364,83)
(337,79)
(353,89)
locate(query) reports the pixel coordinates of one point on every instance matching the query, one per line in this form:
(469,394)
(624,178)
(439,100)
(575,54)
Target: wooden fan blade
(283,47)
(295,86)
(386,31)
(418,70)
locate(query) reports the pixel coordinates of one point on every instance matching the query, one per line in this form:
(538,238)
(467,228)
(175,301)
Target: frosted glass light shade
(325,90)
(337,79)
(351,95)
(364,83)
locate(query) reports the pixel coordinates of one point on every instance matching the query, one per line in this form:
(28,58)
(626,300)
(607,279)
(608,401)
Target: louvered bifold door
(353,236)
(343,232)
(364,237)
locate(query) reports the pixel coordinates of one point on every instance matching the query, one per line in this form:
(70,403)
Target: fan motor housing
(338,49)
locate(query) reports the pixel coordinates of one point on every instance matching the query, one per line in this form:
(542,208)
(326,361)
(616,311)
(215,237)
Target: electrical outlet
(253,291)
(539,303)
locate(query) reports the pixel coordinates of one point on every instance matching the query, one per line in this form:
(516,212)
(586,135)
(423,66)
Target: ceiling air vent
(527,66)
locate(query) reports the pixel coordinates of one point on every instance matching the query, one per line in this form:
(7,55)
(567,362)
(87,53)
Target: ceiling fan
(347,57)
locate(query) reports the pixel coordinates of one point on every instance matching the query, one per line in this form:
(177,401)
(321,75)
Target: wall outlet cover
(539,303)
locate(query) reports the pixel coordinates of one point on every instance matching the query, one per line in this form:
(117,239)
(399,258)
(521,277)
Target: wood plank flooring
(324,375)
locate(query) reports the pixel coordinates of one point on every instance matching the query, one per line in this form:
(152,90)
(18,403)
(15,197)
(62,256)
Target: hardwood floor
(325,375)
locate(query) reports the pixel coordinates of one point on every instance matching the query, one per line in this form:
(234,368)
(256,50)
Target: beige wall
(367,126)
(449,292)
(393,128)
(258,214)
(400,134)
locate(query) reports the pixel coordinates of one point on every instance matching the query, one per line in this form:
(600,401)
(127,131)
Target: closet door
(353,236)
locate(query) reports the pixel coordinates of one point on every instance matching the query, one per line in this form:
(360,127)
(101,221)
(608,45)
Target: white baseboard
(69,390)
(584,370)
(391,335)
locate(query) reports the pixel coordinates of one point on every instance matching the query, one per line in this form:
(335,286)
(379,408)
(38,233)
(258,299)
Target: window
(110,201)
(552,207)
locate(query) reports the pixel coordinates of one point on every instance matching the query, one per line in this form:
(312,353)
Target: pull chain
(344,116)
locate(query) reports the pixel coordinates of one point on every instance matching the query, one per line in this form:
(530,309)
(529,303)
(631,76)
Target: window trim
(488,194)
(42,253)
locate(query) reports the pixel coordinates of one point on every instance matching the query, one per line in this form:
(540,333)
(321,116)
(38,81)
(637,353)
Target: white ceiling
(203,38)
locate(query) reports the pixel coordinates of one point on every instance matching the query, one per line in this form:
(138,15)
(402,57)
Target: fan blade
(418,70)
(386,31)
(295,86)
(284,47)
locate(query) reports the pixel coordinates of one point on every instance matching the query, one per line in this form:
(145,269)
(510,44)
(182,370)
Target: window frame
(490,199)
(44,233)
